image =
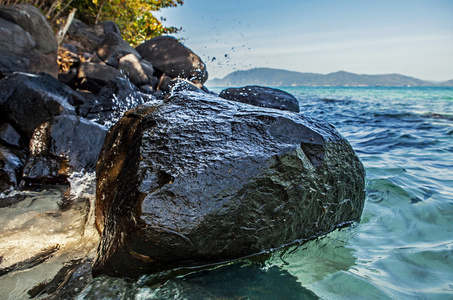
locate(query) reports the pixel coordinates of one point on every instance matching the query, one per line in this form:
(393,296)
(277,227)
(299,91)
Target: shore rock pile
(184,177)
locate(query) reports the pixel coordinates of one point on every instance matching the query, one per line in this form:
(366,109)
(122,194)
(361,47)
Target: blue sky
(413,38)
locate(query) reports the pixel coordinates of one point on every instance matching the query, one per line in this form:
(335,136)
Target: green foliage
(134,17)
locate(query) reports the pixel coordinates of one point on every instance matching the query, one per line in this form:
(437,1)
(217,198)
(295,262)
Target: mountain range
(278,77)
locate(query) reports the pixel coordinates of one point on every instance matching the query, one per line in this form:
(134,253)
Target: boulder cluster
(57,103)
(185,177)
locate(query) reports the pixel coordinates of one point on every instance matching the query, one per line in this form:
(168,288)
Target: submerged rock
(262,97)
(199,180)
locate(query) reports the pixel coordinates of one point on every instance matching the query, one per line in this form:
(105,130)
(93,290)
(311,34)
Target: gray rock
(111,27)
(61,146)
(93,76)
(27,101)
(262,97)
(112,101)
(181,85)
(88,37)
(113,48)
(199,180)
(27,43)
(173,59)
(130,65)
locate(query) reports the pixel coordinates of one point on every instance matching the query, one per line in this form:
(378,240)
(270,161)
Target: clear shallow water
(403,246)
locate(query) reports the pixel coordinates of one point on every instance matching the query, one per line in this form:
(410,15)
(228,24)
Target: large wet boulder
(262,97)
(199,180)
(173,59)
(27,101)
(27,43)
(61,146)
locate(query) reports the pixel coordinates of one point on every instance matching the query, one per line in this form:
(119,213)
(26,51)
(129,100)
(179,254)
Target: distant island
(278,77)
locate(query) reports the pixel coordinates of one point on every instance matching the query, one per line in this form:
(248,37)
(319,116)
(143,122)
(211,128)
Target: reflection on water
(44,231)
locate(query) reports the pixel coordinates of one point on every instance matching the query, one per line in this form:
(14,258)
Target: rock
(113,48)
(27,43)
(72,278)
(111,27)
(69,78)
(27,101)
(173,59)
(10,137)
(88,37)
(181,85)
(61,146)
(262,97)
(93,76)
(164,84)
(11,166)
(130,65)
(199,180)
(148,69)
(115,98)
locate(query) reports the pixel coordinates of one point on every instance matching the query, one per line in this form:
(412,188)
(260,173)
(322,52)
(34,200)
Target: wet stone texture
(262,96)
(199,180)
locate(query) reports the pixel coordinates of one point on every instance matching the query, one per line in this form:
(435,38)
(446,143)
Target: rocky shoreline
(184,177)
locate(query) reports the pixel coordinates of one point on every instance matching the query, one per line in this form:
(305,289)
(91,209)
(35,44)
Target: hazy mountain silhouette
(278,77)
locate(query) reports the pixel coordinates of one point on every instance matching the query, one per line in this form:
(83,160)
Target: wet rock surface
(112,101)
(27,101)
(62,146)
(262,97)
(199,179)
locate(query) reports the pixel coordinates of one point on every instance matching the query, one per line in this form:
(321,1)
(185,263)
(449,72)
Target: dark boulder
(89,38)
(173,59)
(27,101)
(61,146)
(115,98)
(113,47)
(93,76)
(199,180)
(139,72)
(27,43)
(262,97)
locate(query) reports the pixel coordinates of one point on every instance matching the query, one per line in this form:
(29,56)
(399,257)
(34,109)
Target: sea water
(402,248)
